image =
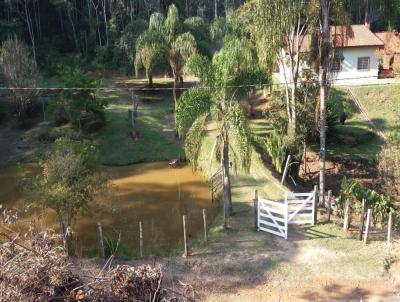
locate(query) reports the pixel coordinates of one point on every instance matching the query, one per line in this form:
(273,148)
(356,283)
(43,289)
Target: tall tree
(279,28)
(181,47)
(20,71)
(323,79)
(69,181)
(220,104)
(151,49)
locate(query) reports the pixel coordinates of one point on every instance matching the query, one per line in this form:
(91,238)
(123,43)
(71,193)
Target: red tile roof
(343,37)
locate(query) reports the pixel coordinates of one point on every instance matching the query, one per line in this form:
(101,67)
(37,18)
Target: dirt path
(316,263)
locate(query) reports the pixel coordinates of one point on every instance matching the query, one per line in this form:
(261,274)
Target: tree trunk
(30,28)
(323,94)
(366,21)
(150,79)
(105,20)
(292,125)
(228,209)
(135,105)
(175,91)
(215,9)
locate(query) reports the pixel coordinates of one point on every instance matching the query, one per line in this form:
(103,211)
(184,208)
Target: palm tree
(182,46)
(150,50)
(233,133)
(164,40)
(181,49)
(218,104)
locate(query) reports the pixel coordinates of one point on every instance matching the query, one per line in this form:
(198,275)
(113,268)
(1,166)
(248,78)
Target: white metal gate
(300,207)
(273,216)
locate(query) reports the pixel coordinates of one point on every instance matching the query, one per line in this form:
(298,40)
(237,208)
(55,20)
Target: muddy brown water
(152,193)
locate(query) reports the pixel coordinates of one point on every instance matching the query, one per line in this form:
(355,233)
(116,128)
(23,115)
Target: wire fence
(143,89)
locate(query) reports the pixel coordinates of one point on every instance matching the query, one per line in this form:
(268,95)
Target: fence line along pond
(152,193)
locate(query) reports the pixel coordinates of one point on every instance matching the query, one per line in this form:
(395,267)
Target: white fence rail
(274,216)
(300,207)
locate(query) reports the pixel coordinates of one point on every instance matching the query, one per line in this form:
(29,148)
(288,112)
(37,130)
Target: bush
(48,132)
(380,204)
(80,107)
(276,147)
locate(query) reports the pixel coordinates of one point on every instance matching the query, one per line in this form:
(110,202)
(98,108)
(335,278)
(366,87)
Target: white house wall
(349,73)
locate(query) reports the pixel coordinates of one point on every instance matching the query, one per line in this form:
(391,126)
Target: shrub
(80,107)
(276,147)
(380,204)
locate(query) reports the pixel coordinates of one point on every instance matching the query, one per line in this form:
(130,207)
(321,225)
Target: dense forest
(105,31)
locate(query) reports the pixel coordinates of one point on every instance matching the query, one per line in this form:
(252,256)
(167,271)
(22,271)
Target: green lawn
(356,138)
(155,143)
(382,103)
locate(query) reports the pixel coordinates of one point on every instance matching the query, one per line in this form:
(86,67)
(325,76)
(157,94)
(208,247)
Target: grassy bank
(382,103)
(154,123)
(355,139)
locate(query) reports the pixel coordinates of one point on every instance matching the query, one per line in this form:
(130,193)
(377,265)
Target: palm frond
(240,135)
(192,104)
(172,24)
(151,48)
(194,140)
(185,44)
(156,22)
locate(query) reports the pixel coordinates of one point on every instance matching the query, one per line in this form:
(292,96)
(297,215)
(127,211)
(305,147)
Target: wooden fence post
(367,226)
(101,241)
(362,219)
(205,225)
(255,207)
(315,218)
(184,236)
(346,215)
(329,204)
(141,239)
(389,233)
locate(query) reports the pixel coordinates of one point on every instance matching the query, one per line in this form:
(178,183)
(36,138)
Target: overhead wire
(130,88)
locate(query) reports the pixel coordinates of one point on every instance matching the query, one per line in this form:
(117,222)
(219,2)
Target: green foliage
(380,204)
(271,24)
(69,179)
(199,28)
(252,76)
(127,41)
(151,49)
(192,103)
(20,71)
(194,139)
(46,132)
(200,66)
(276,147)
(240,136)
(172,24)
(83,108)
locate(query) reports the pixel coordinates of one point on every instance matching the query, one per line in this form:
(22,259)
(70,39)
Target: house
(355,58)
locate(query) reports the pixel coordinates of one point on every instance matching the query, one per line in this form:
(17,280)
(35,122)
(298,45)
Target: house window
(363,63)
(336,64)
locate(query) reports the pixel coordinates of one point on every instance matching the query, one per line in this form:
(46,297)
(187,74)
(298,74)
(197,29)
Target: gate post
(315,214)
(255,206)
(286,215)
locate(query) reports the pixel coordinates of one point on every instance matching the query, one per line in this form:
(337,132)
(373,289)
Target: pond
(152,193)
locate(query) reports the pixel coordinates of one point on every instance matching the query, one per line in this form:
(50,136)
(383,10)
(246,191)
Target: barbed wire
(127,88)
